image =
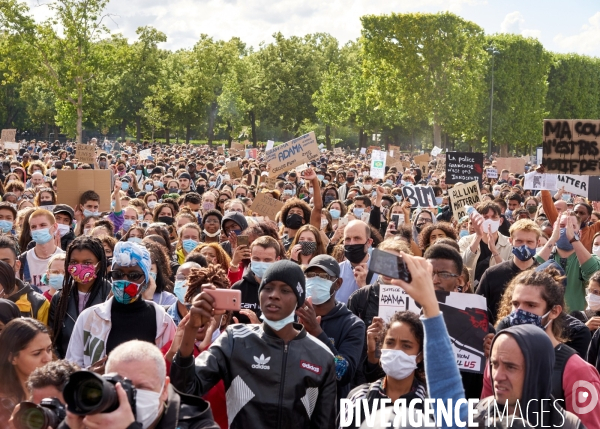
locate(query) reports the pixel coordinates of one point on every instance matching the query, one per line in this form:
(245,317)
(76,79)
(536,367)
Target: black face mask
(166,219)
(329,198)
(200,189)
(355,253)
(294,221)
(350,179)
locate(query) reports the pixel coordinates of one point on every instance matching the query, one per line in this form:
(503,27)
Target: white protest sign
(145,154)
(539,182)
(363,150)
(12,145)
(574,184)
(270,144)
(378,164)
(393,299)
(436,151)
(491,173)
(539,153)
(464,195)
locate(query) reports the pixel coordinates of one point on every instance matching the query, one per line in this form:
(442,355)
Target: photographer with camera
(135,393)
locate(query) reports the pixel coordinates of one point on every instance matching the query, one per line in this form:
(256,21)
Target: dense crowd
(181,307)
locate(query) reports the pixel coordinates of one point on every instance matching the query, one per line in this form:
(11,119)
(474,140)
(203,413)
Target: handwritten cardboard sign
(234,170)
(265,205)
(8,135)
(73,183)
(424,166)
(513,165)
(298,151)
(571,146)
(86,153)
(463,167)
(338,151)
(269,181)
(422,158)
(464,195)
(491,173)
(237,146)
(220,150)
(12,145)
(393,299)
(419,196)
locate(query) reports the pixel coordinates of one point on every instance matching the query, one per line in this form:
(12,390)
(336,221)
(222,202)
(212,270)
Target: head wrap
(129,254)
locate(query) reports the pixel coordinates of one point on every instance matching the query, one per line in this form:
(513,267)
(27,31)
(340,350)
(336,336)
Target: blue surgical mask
(56,281)
(463,233)
(87,213)
(153,275)
(325,182)
(438,200)
(320,176)
(358,212)
(189,245)
(335,213)
(138,172)
(6,226)
(180,290)
(127,223)
(389,182)
(137,240)
(278,325)
(41,236)
(563,242)
(125,186)
(212,184)
(319,289)
(148,187)
(158,184)
(524,253)
(398,198)
(259,268)
(288,192)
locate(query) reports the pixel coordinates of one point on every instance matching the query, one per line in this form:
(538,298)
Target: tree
(424,65)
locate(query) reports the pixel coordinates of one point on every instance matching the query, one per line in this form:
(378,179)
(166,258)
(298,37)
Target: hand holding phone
(389,265)
(242,240)
(226,299)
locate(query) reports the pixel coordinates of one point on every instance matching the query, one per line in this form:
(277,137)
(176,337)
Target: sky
(561,26)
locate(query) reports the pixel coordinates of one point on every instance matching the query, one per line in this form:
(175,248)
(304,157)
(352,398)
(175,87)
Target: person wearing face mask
(64,216)
(591,315)
(574,258)
(158,403)
(398,349)
(330,321)
(264,251)
(537,298)
(486,247)
(300,393)
(347,184)
(524,237)
(124,316)
(54,275)
(178,310)
(89,205)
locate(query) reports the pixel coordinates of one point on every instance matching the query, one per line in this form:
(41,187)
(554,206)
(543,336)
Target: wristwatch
(575,238)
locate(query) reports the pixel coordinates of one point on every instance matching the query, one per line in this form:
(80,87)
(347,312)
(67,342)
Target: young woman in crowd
(211,226)
(161,288)
(189,238)
(306,244)
(214,254)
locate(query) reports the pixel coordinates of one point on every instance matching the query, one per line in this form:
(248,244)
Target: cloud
(513,23)
(587,41)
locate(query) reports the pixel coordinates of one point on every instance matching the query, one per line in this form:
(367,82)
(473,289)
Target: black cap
(63,208)
(326,263)
(289,273)
(185,176)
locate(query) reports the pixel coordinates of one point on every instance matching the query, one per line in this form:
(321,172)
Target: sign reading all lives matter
(463,167)
(462,196)
(571,146)
(288,155)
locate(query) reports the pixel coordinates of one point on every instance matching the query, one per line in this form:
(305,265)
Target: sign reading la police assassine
(291,154)
(571,146)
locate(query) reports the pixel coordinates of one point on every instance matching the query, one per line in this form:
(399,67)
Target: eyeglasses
(582,213)
(444,275)
(322,275)
(132,277)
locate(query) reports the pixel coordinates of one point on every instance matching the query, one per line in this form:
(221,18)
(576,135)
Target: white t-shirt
(37,267)
(82,299)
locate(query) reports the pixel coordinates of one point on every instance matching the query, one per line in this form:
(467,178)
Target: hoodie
(30,303)
(344,334)
(249,287)
(238,218)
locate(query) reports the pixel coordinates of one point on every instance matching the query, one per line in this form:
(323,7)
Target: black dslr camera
(88,393)
(50,413)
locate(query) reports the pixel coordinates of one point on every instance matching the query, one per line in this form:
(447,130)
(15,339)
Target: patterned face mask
(83,273)
(308,247)
(522,317)
(126,292)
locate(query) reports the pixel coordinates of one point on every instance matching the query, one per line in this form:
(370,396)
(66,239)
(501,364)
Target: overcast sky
(562,26)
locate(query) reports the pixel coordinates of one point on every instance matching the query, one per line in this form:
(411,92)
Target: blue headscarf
(129,254)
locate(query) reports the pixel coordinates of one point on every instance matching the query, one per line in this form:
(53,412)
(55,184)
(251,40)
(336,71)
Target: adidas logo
(310,367)
(261,362)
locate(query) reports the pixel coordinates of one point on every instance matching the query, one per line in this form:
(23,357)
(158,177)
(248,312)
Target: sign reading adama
(292,154)
(571,146)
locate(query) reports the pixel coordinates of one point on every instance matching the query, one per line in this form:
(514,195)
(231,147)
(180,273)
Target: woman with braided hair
(85,285)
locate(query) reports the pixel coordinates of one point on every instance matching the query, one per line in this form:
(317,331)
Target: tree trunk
(328,136)
(437,135)
(46,131)
(361,138)
(188,132)
(412,142)
(79,124)
(212,116)
(504,150)
(123,130)
(229,130)
(253,124)
(138,129)
(167,135)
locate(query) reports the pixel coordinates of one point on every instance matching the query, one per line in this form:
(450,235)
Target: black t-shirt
(483,262)
(135,321)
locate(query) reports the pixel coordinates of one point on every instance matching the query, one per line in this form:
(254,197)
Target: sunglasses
(132,277)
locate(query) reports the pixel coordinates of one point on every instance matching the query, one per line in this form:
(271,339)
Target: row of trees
(413,79)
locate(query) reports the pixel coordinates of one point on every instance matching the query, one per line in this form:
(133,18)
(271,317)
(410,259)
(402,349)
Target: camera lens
(89,393)
(33,416)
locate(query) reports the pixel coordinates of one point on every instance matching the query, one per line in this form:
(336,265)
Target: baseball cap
(63,208)
(326,263)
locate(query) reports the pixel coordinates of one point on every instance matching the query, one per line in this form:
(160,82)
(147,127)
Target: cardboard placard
(234,170)
(573,184)
(440,166)
(265,205)
(237,146)
(220,150)
(73,183)
(269,181)
(538,182)
(86,153)
(8,135)
(513,165)
(12,145)
(571,146)
(338,151)
(422,158)
(419,196)
(467,194)
(393,299)
(466,318)
(424,166)
(463,167)
(394,148)
(298,151)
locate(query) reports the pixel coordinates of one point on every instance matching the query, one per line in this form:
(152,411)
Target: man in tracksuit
(331,321)
(276,374)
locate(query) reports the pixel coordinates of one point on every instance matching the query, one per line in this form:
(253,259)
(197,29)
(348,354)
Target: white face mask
(593,301)
(397,364)
(148,406)
(596,250)
(278,325)
(63,229)
(495,224)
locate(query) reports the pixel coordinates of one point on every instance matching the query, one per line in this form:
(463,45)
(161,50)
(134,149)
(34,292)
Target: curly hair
(223,258)
(292,203)
(212,274)
(55,373)
(425,235)
(551,290)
